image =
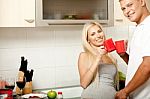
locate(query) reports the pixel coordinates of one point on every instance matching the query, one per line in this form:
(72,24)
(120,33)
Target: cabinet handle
(120,20)
(29,20)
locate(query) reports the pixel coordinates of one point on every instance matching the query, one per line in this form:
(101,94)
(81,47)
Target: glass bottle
(60,95)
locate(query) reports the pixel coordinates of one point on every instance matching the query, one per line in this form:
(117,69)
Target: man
(138,54)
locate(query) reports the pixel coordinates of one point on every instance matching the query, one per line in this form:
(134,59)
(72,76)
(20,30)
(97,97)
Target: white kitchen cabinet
(17,13)
(119,18)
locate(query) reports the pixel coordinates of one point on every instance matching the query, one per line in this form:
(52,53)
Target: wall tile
(67,56)
(117,32)
(110,32)
(9,73)
(40,37)
(9,59)
(12,37)
(40,57)
(44,78)
(68,37)
(66,76)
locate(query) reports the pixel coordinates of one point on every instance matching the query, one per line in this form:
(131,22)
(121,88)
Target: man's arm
(140,77)
(125,57)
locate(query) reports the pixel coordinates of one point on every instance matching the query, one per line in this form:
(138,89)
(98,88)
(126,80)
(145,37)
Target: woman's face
(96,36)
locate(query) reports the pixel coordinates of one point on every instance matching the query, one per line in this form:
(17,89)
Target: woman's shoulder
(83,60)
(83,55)
(112,57)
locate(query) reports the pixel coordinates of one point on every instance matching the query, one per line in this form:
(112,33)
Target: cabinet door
(17,13)
(119,18)
(74,12)
(29,13)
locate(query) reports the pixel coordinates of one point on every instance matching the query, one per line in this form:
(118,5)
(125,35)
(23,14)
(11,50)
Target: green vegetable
(122,76)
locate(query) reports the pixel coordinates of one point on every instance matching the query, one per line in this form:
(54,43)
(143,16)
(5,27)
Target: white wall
(148,4)
(51,51)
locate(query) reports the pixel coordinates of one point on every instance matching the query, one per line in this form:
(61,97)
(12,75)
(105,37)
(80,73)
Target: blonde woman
(97,68)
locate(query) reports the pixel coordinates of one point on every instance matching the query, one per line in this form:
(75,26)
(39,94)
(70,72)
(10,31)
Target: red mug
(109,45)
(120,46)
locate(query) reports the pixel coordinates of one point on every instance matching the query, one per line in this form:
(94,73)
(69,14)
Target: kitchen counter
(19,97)
(69,92)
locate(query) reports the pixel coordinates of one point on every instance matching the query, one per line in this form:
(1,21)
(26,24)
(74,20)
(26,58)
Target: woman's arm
(86,73)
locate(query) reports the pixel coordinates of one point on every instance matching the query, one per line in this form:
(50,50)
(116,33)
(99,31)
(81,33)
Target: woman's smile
(95,36)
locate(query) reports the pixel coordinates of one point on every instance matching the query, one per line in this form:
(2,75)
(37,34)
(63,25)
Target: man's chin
(131,19)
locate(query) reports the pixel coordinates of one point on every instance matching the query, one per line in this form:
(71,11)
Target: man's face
(132,9)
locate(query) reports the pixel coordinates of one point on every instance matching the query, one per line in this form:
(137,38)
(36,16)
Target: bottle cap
(59,92)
